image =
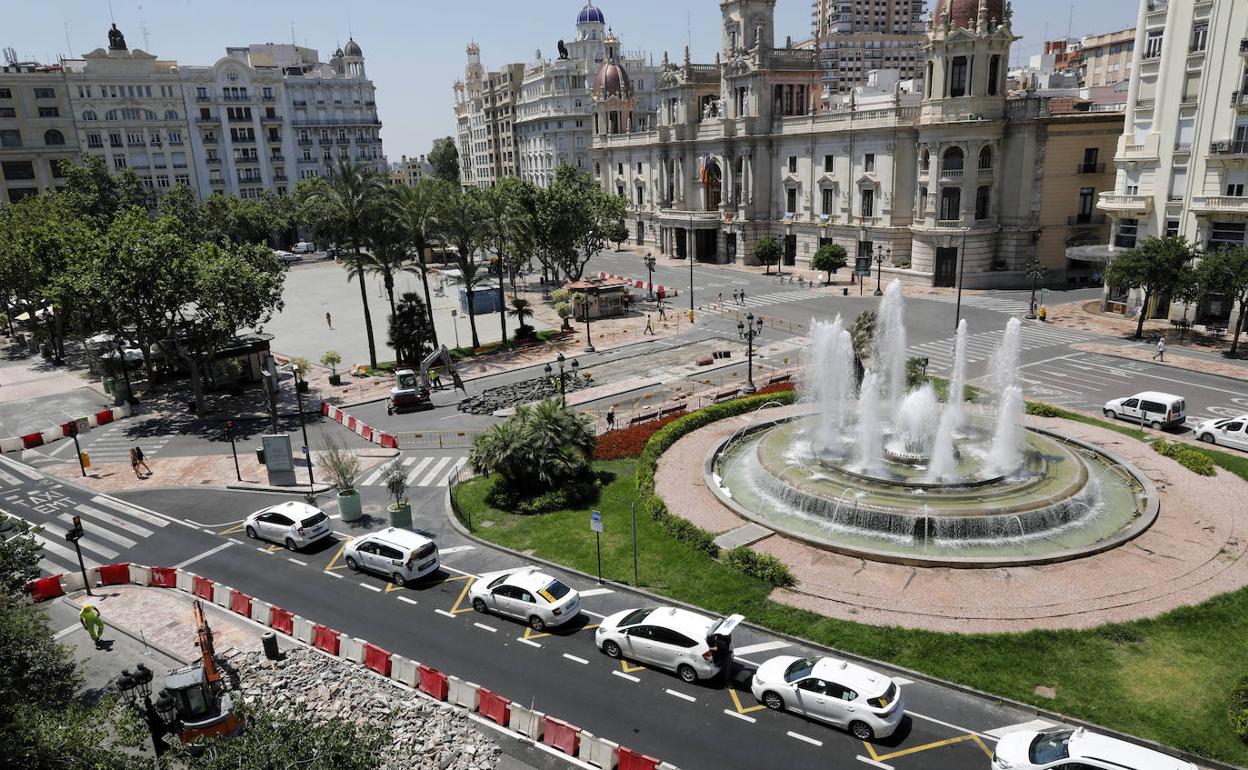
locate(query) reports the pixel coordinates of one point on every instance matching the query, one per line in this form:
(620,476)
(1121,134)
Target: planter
(7,523)
(349,505)
(335,379)
(399,515)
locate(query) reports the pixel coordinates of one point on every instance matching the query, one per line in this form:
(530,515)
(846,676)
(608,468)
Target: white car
(304,247)
(1226,431)
(293,524)
(867,703)
(400,555)
(1156,410)
(286,256)
(694,646)
(1077,749)
(527,594)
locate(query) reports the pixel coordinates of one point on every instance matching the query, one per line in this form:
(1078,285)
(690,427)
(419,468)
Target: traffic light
(75,532)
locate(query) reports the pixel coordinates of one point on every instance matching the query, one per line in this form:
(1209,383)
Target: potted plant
(400,511)
(302,368)
(331,358)
(343,466)
(6,522)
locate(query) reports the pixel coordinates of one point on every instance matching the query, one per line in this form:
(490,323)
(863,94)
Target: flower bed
(628,442)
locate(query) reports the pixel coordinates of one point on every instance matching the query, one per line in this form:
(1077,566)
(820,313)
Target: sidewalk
(1087,316)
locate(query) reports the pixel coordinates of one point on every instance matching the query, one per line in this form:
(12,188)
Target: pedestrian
(611,418)
(1161,350)
(140,460)
(743,296)
(734,296)
(721,298)
(649,327)
(435,379)
(134,462)
(90,619)
(662,312)
(329,321)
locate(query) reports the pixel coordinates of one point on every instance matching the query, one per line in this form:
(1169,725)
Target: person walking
(721,298)
(1160,355)
(139,459)
(611,418)
(329,321)
(662,312)
(134,462)
(90,619)
(734,296)
(649,329)
(743,296)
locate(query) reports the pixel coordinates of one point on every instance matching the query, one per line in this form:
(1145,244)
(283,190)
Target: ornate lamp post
(137,687)
(747,331)
(1035,272)
(879,267)
(589,343)
(957,314)
(562,389)
(649,260)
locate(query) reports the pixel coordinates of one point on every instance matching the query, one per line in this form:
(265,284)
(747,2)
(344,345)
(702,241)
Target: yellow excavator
(199,694)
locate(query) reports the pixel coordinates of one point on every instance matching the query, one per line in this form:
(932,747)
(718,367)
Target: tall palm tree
(499,204)
(349,198)
(388,241)
(417,208)
(461,224)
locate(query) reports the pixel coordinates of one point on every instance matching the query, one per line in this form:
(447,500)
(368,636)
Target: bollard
(269,641)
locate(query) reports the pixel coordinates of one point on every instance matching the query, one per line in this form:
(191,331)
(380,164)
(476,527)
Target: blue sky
(414,49)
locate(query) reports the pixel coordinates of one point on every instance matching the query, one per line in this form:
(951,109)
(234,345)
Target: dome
(612,81)
(590,15)
(965,12)
(352,48)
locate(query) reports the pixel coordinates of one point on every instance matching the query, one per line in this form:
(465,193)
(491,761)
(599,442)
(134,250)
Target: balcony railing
(1243,47)
(249,179)
(216,181)
(276,156)
(1114,202)
(203,98)
(248,159)
(325,140)
(1239,98)
(209,119)
(1219,204)
(1228,147)
(1184,148)
(233,98)
(1086,219)
(1090,168)
(304,142)
(279,177)
(212,161)
(243,139)
(951,173)
(268,98)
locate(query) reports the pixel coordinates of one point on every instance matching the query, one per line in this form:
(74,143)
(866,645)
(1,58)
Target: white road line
(376,474)
(873,763)
(416,471)
(142,515)
(67,554)
(806,738)
(9,478)
(484,627)
(750,649)
(433,474)
(681,695)
(407,600)
(116,521)
(20,468)
(457,549)
(742,717)
(262,549)
(371,587)
(296,561)
(235,540)
(107,553)
(575,659)
(444,612)
(1035,724)
(629,677)
(333,574)
(950,725)
(529,642)
(597,592)
(61,447)
(66,631)
(203,555)
(99,531)
(446,480)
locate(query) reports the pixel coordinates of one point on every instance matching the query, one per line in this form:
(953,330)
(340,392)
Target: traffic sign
(862,265)
(595,521)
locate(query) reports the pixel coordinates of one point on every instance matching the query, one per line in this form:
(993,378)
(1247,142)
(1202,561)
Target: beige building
(411,171)
(855,37)
(485,114)
(1103,60)
(37,129)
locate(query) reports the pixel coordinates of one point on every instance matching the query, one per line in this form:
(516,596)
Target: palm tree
(499,205)
(418,209)
(388,242)
(349,198)
(521,309)
(461,223)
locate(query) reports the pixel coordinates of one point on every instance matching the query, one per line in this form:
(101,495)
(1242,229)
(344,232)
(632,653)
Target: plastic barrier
(45,588)
(462,693)
(388,441)
(377,659)
(261,611)
(598,752)
(114,574)
(635,760)
(186,581)
(326,638)
(526,721)
(304,629)
(104,417)
(32,440)
(281,620)
(163,577)
(433,682)
(404,670)
(351,649)
(561,735)
(140,575)
(493,706)
(240,603)
(202,587)
(74,581)
(350,423)
(221,596)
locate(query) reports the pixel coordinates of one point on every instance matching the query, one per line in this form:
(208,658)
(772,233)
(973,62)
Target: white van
(400,555)
(1156,410)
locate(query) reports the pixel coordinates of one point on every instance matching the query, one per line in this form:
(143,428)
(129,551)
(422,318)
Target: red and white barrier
(57,432)
(353,424)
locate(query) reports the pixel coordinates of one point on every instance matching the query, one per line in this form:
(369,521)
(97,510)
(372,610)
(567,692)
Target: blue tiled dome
(590,15)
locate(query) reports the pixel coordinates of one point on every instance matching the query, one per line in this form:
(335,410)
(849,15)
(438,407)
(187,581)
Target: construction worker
(90,619)
(435,379)
(649,328)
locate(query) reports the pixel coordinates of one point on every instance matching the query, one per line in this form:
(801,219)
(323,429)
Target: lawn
(1167,678)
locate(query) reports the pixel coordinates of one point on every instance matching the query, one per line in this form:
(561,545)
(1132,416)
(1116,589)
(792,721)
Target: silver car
(293,524)
(526,594)
(694,646)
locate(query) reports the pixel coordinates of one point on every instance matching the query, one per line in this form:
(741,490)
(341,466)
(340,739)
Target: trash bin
(269,641)
(108,385)
(85,458)
(260,455)
(844,291)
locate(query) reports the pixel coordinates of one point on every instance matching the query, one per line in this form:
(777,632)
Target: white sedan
(1232,431)
(526,594)
(1066,749)
(292,524)
(867,703)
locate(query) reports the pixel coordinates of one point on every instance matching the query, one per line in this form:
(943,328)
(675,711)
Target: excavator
(199,694)
(412,390)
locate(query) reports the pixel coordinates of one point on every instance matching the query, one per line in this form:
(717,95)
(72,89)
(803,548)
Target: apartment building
(1104,60)
(411,171)
(485,113)
(855,37)
(37,132)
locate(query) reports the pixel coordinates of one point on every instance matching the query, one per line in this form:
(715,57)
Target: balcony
(301,102)
(203,98)
(268,98)
(324,140)
(1125,204)
(985,171)
(279,177)
(1085,220)
(343,140)
(1144,104)
(951,173)
(304,142)
(246,160)
(1183,148)
(1219,204)
(1146,150)
(1239,99)
(217,181)
(249,179)
(235,98)
(216,119)
(271,119)
(1090,168)
(1243,47)
(242,140)
(1227,147)
(277,156)
(212,161)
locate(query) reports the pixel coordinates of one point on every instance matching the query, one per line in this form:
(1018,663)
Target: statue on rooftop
(116,40)
(563,50)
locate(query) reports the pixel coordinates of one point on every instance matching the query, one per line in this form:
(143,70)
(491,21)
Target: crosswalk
(113,445)
(986,302)
(775,298)
(981,345)
(420,471)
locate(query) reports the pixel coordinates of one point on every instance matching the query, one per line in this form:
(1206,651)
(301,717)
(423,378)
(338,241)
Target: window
(868,203)
(1172,228)
(829,201)
(1200,36)
(957,77)
(792,164)
(1087,202)
(1127,230)
(49,112)
(828,163)
(1152,46)
(10,137)
(94,141)
(985,159)
(994,74)
(18,169)
(817,686)
(790,200)
(6,93)
(53,138)
(868,162)
(119,162)
(114,140)
(952,160)
(1225,234)
(951,203)
(1235,189)
(45,93)
(8,112)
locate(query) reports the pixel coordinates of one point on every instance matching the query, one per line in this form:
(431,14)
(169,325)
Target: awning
(1098,252)
(47,311)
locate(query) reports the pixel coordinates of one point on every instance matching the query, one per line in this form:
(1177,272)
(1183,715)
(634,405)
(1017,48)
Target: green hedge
(1043,410)
(1191,458)
(1237,711)
(763,566)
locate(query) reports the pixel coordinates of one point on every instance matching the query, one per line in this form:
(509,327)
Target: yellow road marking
(530,634)
(392,587)
(871,751)
(456,609)
(741,709)
(337,555)
(630,668)
(233,529)
(924,747)
(980,743)
(273,548)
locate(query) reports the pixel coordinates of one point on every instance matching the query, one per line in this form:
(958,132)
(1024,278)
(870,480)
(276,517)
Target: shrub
(1193,459)
(1042,410)
(575,494)
(776,387)
(763,566)
(628,442)
(1237,710)
(680,528)
(538,449)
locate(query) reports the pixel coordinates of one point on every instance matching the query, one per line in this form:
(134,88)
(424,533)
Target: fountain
(893,473)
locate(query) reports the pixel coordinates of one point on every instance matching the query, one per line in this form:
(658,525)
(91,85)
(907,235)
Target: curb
(1205,762)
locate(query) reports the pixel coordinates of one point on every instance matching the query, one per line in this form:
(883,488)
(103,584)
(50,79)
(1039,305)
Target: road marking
(873,763)
(628,668)
(377,473)
(681,695)
(86,545)
(235,540)
(66,631)
(575,659)
(333,574)
(10,479)
(120,540)
(951,726)
(522,640)
(203,555)
(337,555)
(433,474)
(262,549)
(924,747)
(296,561)
(741,708)
(441,611)
(458,549)
(405,599)
(732,713)
(750,649)
(484,627)
(22,469)
(629,677)
(456,609)
(370,587)
(233,529)
(416,471)
(596,592)
(115,521)
(806,738)
(139,513)
(1035,724)
(446,480)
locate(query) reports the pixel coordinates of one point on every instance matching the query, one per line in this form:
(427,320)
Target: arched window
(110,115)
(925,159)
(952,160)
(53,138)
(89,115)
(171,114)
(985,159)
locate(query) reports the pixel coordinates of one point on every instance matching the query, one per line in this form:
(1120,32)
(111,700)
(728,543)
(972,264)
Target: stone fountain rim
(1146,519)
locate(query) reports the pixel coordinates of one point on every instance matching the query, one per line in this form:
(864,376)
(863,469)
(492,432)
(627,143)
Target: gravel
(505,396)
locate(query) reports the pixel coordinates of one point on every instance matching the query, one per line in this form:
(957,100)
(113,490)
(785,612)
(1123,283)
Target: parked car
(867,703)
(528,594)
(1078,749)
(286,256)
(400,555)
(304,247)
(1156,410)
(694,646)
(1227,431)
(293,524)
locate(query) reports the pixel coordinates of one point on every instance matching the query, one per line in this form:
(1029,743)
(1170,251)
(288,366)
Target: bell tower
(748,25)
(967,51)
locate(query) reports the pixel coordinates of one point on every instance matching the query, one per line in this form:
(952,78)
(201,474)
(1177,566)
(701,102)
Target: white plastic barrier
(140,575)
(351,649)
(598,752)
(304,629)
(260,611)
(404,670)
(221,595)
(527,722)
(12,444)
(185,580)
(463,693)
(72,581)
(53,434)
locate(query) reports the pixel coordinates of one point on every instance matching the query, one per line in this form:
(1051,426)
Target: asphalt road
(560,673)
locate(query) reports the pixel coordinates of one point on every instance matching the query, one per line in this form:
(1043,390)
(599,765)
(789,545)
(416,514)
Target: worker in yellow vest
(91,620)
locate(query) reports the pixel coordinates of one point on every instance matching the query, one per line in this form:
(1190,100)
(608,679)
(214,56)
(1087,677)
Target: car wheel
(398,580)
(686,673)
(536,623)
(1208,437)
(611,649)
(290,545)
(773,701)
(1155,425)
(478,605)
(251,533)
(861,730)
(352,564)
(1110,413)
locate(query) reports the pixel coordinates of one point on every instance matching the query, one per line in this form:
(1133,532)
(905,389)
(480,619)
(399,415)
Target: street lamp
(589,343)
(747,331)
(229,432)
(649,260)
(957,313)
(1035,273)
(562,387)
(303,427)
(879,267)
(137,687)
(270,389)
(455,323)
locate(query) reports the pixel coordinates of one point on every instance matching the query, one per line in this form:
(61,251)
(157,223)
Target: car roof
(1156,395)
(681,620)
(292,508)
(530,579)
(1119,753)
(1236,418)
(403,538)
(852,675)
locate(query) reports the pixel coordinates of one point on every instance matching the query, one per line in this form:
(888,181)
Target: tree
(418,208)
(573,217)
(461,224)
(444,158)
(538,449)
(1156,266)
(767,251)
(389,241)
(411,333)
(829,258)
(1225,271)
(501,205)
(520,310)
(617,232)
(347,201)
(96,195)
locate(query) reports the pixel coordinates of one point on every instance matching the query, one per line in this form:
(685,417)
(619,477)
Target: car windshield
(799,669)
(314,519)
(1050,747)
(498,580)
(636,616)
(554,591)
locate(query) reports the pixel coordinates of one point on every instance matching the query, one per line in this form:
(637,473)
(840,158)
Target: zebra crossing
(420,471)
(985,302)
(113,445)
(775,298)
(981,345)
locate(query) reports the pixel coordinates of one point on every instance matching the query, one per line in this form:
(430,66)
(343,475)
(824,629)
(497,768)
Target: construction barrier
(635,760)
(493,706)
(404,670)
(598,752)
(45,588)
(560,735)
(74,581)
(240,603)
(140,575)
(326,639)
(527,722)
(462,693)
(221,596)
(303,629)
(201,587)
(58,432)
(351,649)
(163,577)
(377,659)
(281,620)
(433,683)
(387,441)
(186,581)
(261,611)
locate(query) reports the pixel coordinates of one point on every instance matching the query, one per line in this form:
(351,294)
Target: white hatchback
(1224,431)
(1077,749)
(694,646)
(1156,410)
(865,702)
(527,594)
(400,555)
(293,524)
